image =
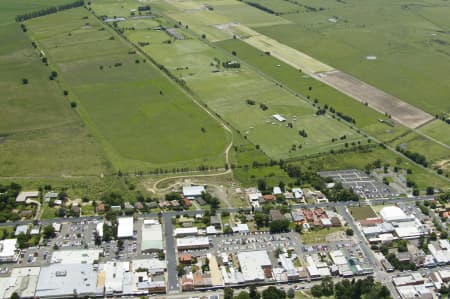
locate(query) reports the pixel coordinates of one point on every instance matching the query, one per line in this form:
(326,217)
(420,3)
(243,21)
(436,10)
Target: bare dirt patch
(379,100)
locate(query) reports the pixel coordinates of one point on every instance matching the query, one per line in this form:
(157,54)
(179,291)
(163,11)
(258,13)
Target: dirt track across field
(400,111)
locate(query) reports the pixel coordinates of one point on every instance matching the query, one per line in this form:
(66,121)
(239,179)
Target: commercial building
(185,231)
(193,192)
(444,275)
(394,214)
(241,228)
(289,268)
(418,291)
(316,270)
(67,281)
(152,238)
(50,195)
(255,265)
(24,195)
(9,253)
(117,278)
(21,229)
(193,243)
(99,229)
(125,227)
(22,281)
(211,230)
(440,252)
(152,266)
(76,256)
(414,278)
(394,224)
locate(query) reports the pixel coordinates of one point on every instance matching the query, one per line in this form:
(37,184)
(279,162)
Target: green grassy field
(438,130)
(365,117)
(130,117)
(416,143)
(194,62)
(361,213)
(199,65)
(407,38)
(48,212)
(318,236)
(141,118)
(11,8)
(40,135)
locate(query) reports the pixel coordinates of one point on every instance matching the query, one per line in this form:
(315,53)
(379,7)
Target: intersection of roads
(170,247)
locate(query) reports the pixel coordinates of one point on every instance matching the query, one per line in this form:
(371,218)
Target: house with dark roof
(216,222)
(276,215)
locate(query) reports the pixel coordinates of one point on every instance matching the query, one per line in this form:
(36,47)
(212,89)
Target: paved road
(377,267)
(236,210)
(171,257)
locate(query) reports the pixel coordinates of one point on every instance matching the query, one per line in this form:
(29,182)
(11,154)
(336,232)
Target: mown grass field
(11,8)
(318,236)
(366,118)
(40,135)
(361,213)
(407,38)
(134,118)
(141,118)
(226,91)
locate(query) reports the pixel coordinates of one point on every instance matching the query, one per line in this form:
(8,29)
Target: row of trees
(354,289)
(416,157)
(8,194)
(269,293)
(49,10)
(259,6)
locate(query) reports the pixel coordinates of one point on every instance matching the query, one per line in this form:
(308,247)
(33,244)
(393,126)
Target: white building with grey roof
(152,238)
(67,281)
(255,265)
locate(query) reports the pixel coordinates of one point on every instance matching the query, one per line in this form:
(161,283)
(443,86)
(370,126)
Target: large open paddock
(365,117)
(400,46)
(248,100)
(40,135)
(142,119)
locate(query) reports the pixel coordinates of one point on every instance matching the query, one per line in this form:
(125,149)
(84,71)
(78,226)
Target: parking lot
(365,186)
(249,242)
(80,235)
(254,241)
